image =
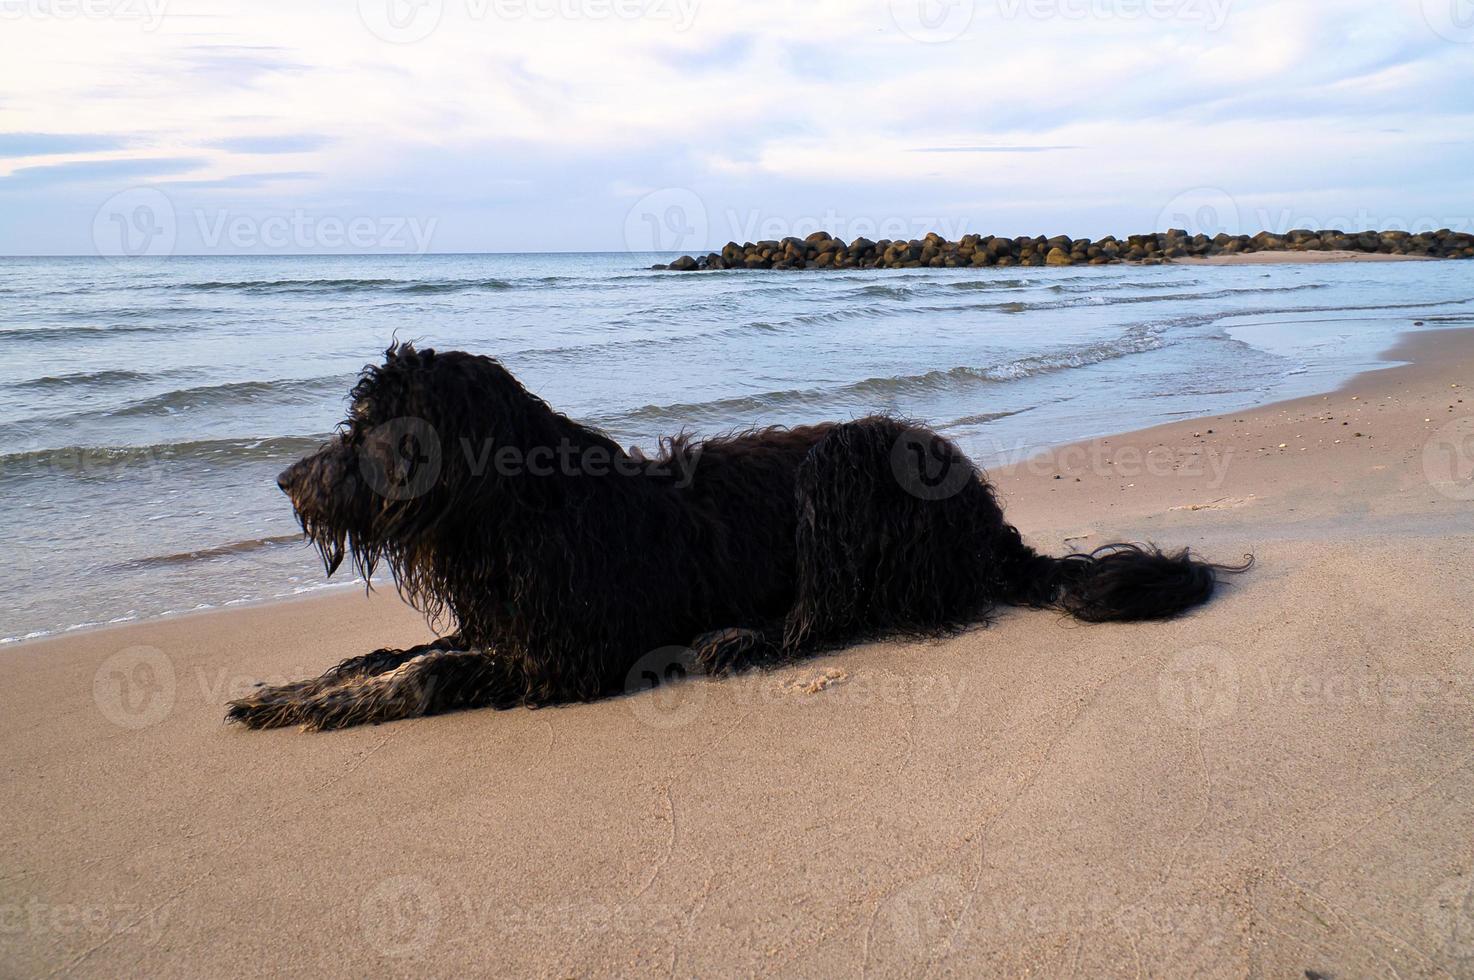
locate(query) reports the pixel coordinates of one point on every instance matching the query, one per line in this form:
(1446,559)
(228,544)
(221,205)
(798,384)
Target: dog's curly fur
(748,549)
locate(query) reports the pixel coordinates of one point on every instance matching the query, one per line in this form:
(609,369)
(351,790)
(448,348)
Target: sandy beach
(1279,783)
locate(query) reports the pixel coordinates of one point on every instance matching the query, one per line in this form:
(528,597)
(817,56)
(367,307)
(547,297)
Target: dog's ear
(406,355)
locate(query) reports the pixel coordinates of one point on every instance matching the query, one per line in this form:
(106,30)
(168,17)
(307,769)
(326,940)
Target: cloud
(991,149)
(97,171)
(243,181)
(48,144)
(542,124)
(234,65)
(272,144)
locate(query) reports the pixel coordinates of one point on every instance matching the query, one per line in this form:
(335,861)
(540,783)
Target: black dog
(562,560)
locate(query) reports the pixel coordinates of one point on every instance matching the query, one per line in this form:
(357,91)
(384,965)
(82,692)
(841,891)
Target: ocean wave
(114,460)
(574,352)
(286,390)
(91,330)
(990,285)
(981,419)
(93,379)
(886,291)
(836,316)
(233,549)
(279,285)
(873,390)
(1091,284)
(1091,299)
(91,315)
(338,286)
(458,286)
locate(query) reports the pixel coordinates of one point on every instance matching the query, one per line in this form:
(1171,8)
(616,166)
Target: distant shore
(1294,258)
(823,251)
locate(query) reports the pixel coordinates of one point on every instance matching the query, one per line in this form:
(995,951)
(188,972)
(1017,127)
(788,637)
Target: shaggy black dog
(561,559)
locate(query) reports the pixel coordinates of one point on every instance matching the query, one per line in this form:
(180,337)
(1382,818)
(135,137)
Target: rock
(823,250)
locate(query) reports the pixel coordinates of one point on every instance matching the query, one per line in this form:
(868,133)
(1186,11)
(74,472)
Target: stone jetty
(823,251)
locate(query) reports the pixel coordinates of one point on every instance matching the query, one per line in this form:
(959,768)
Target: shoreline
(1270,785)
(330,589)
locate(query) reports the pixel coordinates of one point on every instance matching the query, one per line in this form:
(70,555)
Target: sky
(269,126)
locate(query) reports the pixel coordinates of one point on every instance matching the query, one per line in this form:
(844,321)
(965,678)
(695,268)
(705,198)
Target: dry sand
(1298,258)
(1281,782)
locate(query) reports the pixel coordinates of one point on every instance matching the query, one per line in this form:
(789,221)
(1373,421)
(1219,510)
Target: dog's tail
(1122,583)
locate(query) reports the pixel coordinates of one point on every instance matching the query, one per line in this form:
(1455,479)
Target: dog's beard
(331,542)
(410,564)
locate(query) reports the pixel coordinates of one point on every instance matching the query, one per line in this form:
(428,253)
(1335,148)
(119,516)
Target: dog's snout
(284,480)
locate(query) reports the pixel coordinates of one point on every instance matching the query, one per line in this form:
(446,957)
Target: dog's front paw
(268,707)
(318,706)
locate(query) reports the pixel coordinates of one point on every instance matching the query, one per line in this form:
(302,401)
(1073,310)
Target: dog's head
(394,471)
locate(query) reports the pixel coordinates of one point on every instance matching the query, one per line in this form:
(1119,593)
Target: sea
(146,405)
